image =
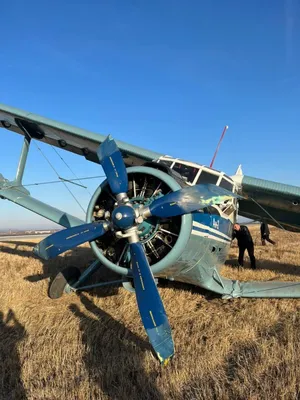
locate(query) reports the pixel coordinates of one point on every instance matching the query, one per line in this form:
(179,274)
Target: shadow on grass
(263,367)
(80,257)
(11,333)
(114,355)
(188,287)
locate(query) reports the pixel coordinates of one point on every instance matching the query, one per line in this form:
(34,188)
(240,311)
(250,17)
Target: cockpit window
(186,171)
(207,177)
(226,185)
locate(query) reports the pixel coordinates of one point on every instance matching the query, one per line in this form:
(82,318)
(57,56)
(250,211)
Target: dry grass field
(93,345)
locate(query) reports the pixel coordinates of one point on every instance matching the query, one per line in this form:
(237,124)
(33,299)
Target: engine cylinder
(164,239)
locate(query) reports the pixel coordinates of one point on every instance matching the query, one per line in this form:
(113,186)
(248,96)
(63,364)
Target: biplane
(154,216)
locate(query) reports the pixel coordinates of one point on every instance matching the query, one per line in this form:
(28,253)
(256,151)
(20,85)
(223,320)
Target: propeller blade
(187,200)
(67,239)
(113,165)
(150,305)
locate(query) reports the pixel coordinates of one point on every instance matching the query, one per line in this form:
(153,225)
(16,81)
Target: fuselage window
(207,177)
(229,209)
(185,170)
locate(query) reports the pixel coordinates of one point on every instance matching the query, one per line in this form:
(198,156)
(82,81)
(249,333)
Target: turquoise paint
(23,199)
(76,137)
(277,203)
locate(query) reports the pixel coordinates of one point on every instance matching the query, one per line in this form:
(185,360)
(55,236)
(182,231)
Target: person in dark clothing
(244,239)
(265,234)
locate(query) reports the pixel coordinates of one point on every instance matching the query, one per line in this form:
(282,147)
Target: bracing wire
(278,223)
(70,169)
(68,189)
(64,183)
(66,180)
(61,180)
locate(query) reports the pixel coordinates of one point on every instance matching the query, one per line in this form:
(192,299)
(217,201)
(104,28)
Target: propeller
(125,220)
(150,305)
(187,200)
(113,165)
(67,239)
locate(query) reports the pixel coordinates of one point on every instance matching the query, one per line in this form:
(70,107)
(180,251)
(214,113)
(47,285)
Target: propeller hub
(123,217)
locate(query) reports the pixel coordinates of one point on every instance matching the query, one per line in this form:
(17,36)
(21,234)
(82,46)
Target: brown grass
(93,346)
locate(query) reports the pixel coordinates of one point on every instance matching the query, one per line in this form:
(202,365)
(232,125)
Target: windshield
(226,185)
(207,177)
(186,171)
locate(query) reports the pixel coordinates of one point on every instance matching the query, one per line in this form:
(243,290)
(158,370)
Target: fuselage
(211,233)
(189,248)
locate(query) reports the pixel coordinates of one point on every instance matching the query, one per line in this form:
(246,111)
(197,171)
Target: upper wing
(68,137)
(277,203)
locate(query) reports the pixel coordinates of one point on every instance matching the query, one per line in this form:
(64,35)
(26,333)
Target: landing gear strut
(70,280)
(62,280)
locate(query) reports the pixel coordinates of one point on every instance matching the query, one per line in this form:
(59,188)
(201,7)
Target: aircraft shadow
(80,257)
(245,372)
(188,287)
(262,264)
(11,333)
(113,355)
(18,242)
(244,358)
(5,248)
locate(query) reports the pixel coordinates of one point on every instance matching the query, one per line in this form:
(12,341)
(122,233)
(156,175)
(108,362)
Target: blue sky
(165,75)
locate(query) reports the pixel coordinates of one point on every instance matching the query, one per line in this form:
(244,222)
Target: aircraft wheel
(67,276)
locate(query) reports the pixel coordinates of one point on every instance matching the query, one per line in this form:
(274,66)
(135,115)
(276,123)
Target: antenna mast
(217,149)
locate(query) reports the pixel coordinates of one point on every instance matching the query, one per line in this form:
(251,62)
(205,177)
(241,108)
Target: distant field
(93,346)
(21,237)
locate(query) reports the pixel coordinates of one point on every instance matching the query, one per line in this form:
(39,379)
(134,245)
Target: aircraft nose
(123,217)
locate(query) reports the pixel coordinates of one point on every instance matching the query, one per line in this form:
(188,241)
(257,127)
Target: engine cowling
(164,240)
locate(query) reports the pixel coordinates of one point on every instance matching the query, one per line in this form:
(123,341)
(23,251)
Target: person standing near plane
(265,234)
(245,241)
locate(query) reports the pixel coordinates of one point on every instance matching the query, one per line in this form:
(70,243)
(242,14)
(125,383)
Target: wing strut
(23,160)
(24,157)
(15,192)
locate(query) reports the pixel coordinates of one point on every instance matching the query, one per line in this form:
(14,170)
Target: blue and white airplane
(154,216)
